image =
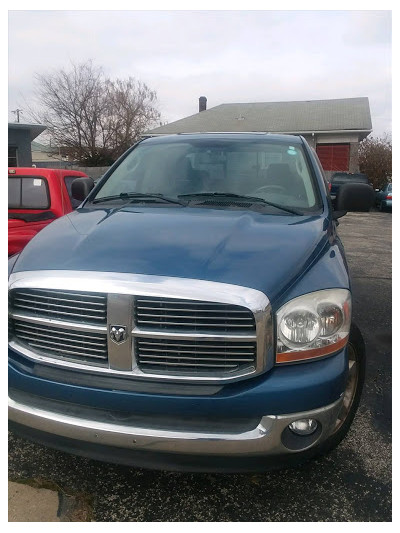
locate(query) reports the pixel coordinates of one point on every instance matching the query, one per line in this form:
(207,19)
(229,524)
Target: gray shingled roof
(278,117)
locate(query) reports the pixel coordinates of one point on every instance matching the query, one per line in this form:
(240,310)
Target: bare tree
(375,159)
(92,118)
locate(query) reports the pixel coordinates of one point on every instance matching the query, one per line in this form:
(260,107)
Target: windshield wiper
(242,197)
(138,197)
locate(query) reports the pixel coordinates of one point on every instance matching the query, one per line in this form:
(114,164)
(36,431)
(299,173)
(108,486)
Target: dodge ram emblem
(118,334)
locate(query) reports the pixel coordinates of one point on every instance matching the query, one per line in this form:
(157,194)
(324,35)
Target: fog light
(305,426)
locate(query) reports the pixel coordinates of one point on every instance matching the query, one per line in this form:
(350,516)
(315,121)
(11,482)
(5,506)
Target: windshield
(276,172)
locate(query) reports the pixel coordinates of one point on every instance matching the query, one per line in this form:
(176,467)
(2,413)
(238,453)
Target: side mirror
(81,187)
(353,197)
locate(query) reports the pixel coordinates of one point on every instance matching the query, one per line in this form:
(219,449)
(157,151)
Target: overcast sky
(227,56)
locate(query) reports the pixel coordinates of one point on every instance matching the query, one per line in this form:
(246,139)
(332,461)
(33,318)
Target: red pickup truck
(36,197)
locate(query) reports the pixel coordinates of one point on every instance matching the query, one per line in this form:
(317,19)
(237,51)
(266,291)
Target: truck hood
(265,252)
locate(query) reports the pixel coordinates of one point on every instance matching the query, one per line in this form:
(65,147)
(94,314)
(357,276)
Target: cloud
(228,56)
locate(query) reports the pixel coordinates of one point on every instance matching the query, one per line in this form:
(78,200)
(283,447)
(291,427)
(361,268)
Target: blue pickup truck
(194,313)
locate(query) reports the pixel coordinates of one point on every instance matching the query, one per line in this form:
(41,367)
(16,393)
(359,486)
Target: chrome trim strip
(157,286)
(78,326)
(137,332)
(264,439)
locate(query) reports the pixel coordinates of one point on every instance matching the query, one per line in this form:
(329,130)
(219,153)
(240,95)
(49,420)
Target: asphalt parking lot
(352,483)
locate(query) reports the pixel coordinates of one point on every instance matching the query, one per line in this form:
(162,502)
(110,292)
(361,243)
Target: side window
(28,193)
(68,183)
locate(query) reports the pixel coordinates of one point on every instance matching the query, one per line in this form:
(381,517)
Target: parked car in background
(383,198)
(36,197)
(340,178)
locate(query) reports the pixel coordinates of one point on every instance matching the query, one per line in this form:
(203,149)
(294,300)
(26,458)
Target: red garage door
(334,156)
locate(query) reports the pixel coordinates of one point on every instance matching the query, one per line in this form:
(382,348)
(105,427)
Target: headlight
(313,325)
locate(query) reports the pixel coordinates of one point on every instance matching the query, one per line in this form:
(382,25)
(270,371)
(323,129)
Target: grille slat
(187,350)
(49,312)
(174,314)
(57,305)
(172,301)
(42,337)
(69,352)
(176,309)
(196,317)
(194,355)
(50,331)
(52,344)
(191,324)
(62,305)
(206,359)
(201,365)
(22,294)
(86,295)
(181,345)
(59,342)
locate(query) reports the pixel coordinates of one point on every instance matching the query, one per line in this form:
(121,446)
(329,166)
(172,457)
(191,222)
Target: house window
(334,156)
(12,156)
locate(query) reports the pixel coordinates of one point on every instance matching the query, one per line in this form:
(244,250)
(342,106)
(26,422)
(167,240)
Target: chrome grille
(59,342)
(167,336)
(61,305)
(191,315)
(194,356)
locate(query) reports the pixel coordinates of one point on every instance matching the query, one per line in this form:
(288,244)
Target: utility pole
(17,112)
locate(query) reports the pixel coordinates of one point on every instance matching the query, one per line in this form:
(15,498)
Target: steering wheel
(271,188)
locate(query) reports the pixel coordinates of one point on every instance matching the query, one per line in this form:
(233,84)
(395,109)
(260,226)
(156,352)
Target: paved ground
(353,483)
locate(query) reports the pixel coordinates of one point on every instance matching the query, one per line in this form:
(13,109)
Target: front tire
(353,389)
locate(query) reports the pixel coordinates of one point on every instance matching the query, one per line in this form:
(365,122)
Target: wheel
(353,389)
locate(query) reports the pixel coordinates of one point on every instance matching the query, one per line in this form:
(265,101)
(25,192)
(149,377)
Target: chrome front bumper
(263,440)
